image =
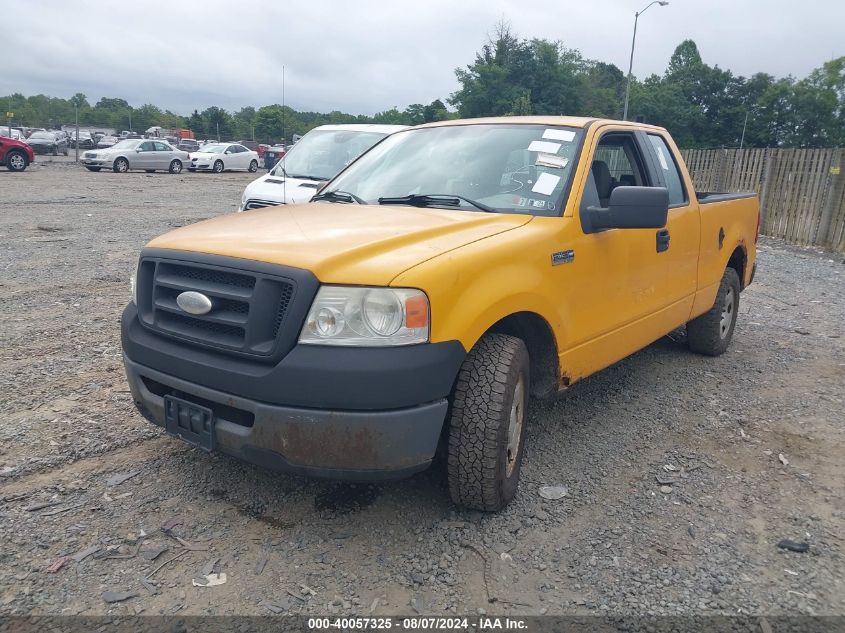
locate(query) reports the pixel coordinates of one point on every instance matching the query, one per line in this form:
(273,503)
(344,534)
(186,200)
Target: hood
(282,190)
(340,243)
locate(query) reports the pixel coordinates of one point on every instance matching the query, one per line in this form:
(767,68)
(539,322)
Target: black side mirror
(631,208)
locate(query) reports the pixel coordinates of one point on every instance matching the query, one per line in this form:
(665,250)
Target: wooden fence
(802,191)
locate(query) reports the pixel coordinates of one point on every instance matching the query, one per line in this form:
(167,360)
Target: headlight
(134,288)
(367,317)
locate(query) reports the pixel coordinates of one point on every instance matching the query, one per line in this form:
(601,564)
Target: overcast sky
(367,56)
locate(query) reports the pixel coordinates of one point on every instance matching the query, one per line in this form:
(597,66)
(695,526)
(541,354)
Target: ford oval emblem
(194,302)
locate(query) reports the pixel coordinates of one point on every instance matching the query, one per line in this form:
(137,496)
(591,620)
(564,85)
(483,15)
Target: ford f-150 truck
(427,292)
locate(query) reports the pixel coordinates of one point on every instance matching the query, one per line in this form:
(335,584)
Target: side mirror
(137,150)
(631,208)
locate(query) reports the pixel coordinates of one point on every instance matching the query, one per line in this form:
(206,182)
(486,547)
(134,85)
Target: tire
(175,166)
(16,161)
(487,423)
(55,151)
(121,166)
(253,166)
(218,166)
(711,333)
(64,153)
(93,168)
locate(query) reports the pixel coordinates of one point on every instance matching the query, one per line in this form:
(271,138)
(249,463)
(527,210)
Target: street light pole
(76,145)
(637,15)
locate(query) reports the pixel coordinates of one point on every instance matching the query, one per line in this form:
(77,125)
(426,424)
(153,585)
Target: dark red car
(15,155)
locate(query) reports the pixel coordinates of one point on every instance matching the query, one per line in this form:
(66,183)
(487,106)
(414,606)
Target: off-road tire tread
(703,331)
(479,420)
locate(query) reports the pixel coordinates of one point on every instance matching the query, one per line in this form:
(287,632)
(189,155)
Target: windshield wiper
(305,177)
(434,199)
(338,196)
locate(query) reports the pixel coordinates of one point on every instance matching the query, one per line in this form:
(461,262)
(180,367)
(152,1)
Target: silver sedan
(147,154)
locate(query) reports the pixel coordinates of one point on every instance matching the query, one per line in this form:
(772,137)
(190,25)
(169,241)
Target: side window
(234,149)
(161,147)
(616,163)
(147,146)
(666,160)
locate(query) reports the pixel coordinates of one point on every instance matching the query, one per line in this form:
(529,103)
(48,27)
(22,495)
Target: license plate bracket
(190,422)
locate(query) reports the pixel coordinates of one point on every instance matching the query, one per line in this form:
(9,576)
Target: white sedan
(218,157)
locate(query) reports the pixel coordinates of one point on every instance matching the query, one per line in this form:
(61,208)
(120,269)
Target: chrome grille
(260,204)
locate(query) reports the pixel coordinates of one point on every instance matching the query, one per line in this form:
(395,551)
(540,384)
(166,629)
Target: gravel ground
(753,442)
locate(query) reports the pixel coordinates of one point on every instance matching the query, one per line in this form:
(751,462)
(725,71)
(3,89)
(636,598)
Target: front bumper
(200,166)
(344,413)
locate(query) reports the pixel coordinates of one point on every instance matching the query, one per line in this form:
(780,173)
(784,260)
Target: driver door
(144,156)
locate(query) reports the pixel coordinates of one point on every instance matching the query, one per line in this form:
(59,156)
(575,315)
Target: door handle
(662,240)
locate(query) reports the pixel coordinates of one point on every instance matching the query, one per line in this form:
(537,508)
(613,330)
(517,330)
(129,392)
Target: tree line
(702,105)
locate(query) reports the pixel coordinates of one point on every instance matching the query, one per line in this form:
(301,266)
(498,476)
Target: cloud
(367,56)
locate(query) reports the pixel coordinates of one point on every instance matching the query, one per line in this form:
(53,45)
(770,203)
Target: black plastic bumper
(349,413)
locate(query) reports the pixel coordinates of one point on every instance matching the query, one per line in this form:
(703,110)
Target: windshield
(212,149)
(44,135)
(321,154)
(125,144)
(511,168)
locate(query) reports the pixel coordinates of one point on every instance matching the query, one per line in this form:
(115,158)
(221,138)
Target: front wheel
(16,161)
(121,166)
(711,333)
(253,166)
(487,423)
(175,167)
(218,166)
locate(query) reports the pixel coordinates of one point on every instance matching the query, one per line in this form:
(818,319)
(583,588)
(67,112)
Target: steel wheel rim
(728,311)
(515,423)
(16,161)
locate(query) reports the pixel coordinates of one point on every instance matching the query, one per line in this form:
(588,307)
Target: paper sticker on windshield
(567,136)
(550,160)
(544,146)
(545,184)
(662,159)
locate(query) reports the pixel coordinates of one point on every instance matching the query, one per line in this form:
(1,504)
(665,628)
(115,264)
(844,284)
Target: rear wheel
(218,166)
(711,333)
(253,165)
(175,167)
(16,161)
(487,423)
(121,166)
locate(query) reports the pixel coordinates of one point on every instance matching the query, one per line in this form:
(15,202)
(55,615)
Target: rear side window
(667,164)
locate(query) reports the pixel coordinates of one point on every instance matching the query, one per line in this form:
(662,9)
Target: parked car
(47,143)
(188,145)
(129,154)
(432,288)
(15,154)
(107,141)
(218,157)
(273,155)
(13,133)
(85,141)
(316,158)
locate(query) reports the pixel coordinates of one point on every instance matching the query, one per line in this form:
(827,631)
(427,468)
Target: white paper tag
(544,146)
(545,184)
(559,135)
(550,160)
(662,159)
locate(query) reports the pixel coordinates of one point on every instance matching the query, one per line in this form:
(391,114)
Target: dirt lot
(754,440)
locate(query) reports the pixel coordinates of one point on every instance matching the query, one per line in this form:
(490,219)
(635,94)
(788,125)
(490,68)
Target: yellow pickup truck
(427,292)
